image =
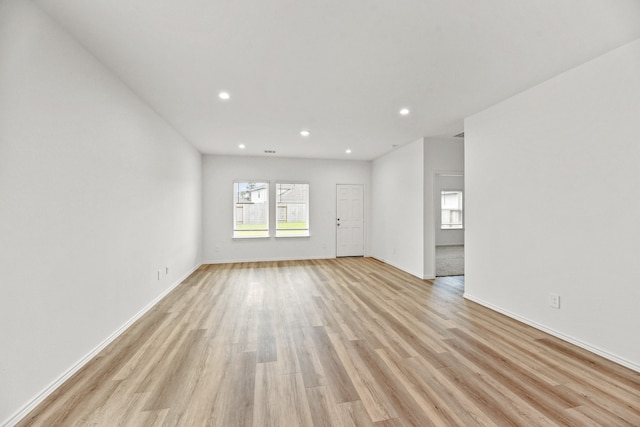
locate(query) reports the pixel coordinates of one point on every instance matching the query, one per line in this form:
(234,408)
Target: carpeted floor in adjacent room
(449,260)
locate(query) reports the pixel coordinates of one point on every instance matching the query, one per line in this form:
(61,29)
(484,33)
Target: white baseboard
(230,261)
(262,259)
(29,406)
(593,349)
(419,276)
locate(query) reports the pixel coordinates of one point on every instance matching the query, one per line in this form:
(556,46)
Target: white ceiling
(340,68)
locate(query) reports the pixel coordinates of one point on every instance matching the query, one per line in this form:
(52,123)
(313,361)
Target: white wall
(452,236)
(406,202)
(397,208)
(576,135)
(441,155)
(96,194)
(219,172)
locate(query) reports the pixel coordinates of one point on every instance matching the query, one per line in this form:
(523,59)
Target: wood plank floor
(338,342)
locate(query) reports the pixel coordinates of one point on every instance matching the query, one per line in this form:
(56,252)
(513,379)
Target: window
(292,210)
(451,206)
(250,209)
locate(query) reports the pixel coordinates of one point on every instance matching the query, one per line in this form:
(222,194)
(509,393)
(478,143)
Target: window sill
(292,235)
(250,237)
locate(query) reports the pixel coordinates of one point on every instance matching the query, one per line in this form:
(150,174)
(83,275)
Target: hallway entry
(450,224)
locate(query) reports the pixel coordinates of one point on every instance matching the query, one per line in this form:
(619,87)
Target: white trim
(35,401)
(240,260)
(609,356)
(419,276)
(430,238)
(364,223)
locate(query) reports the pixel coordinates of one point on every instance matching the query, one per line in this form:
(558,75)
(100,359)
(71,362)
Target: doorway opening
(449,233)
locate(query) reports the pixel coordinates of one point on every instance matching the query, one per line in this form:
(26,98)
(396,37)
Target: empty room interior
(336,213)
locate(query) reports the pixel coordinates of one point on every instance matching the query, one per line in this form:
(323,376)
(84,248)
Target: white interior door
(350,220)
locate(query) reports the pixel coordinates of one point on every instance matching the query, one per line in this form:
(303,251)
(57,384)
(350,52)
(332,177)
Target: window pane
(292,209)
(451,210)
(251,209)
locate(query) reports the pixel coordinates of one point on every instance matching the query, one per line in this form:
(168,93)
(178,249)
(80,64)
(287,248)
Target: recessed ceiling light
(241,146)
(404,111)
(305,133)
(224,95)
(348,151)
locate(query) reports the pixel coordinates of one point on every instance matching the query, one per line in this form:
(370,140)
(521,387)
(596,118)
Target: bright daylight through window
(250,209)
(451,205)
(292,210)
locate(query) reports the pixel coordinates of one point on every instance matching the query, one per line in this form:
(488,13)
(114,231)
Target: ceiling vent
(460,135)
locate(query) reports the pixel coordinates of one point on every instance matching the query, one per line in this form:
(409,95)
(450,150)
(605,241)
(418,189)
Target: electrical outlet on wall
(554,300)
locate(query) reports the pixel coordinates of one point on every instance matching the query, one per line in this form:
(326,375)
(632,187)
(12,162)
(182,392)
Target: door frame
(363,219)
(431,254)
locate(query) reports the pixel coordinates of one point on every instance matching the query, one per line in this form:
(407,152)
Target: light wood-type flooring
(338,342)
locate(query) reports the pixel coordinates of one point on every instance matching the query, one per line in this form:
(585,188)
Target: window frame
(259,233)
(461,210)
(306,232)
